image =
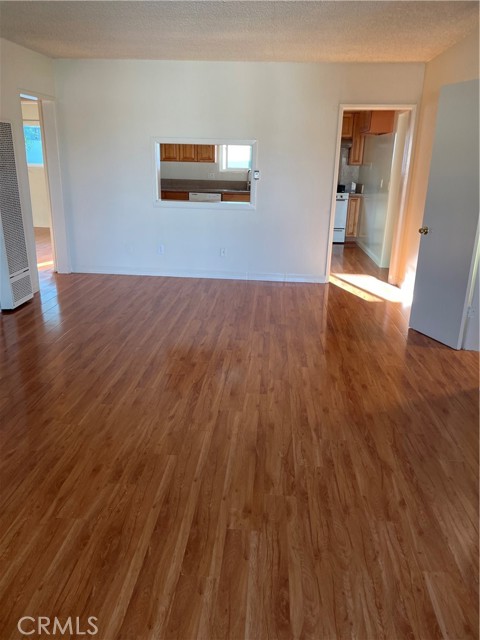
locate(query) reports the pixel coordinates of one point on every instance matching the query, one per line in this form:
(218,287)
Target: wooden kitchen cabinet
(364,119)
(169,152)
(376,122)
(205,153)
(347,125)
(353,213)
(235,197)
(355,155)
(175,195)
(187,152)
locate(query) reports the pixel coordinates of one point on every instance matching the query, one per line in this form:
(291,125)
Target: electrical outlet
(211,176)
(223,252)
(161,249)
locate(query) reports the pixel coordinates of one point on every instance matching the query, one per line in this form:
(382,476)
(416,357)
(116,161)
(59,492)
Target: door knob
(423,230)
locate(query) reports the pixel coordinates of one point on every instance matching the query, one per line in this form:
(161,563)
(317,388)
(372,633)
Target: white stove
(340,217)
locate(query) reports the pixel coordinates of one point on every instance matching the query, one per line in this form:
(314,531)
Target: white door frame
(394,273)
(58,228)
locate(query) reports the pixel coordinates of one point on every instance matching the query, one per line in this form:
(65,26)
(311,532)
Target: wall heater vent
(21,288)
(15,281)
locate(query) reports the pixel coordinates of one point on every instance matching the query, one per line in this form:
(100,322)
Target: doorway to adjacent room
(370,187)
(39,187)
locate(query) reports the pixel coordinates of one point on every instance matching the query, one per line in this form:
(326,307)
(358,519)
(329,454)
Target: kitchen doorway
(48,230)
(372,167)
(38,184)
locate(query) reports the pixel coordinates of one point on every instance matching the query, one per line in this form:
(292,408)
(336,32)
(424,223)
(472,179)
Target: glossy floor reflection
(43,246)
(186,458)
(47,278)
(349,258)
(353,271)
(360,284)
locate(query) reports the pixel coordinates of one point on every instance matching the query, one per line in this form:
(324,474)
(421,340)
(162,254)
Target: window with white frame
(235,157)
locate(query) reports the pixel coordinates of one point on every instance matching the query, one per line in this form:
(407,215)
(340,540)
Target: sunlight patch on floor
(369,288)
(49,263)
(335,279)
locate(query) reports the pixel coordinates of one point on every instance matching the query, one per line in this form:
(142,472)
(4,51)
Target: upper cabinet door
(205,152)
(364,121)
(355,155)
(448,234)
(169,152)
(376,122)
(347,125)
(187,152)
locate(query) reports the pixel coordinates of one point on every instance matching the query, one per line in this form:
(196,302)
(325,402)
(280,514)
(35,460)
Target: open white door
(448,244)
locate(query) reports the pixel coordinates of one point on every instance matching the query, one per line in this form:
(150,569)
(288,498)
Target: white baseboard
(199,273)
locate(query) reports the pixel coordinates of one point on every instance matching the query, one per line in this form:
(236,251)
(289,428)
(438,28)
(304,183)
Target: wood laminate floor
(223,459)
(349,258)
(43,244)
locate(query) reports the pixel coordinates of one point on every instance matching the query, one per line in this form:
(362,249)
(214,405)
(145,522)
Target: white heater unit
(15,281)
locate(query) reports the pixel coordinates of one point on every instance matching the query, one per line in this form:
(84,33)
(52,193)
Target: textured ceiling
(334,31)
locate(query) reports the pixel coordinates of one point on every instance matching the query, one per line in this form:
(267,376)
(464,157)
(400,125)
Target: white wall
(39,196)
(23,70)
(398,179)
(110,110)
(199,171)
(375,176)
(457,64)
(383,174)
(30,110)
